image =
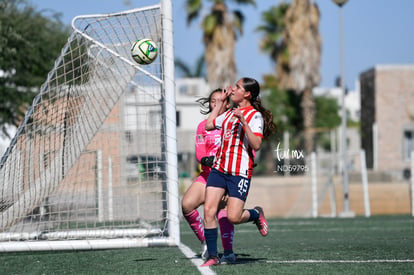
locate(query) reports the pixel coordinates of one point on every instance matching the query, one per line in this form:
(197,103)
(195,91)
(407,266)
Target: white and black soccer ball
(144,51)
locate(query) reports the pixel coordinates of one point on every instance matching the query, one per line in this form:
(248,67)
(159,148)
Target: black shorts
(235,186)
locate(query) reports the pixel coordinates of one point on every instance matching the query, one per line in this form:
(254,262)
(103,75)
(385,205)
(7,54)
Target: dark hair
(252,86)
(205,102)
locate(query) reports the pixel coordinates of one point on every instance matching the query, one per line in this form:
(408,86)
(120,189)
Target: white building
(353,108)
(188,116)
(352,99)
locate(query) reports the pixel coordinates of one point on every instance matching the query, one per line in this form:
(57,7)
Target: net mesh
(88,161)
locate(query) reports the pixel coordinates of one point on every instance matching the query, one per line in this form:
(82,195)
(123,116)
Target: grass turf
(378,245)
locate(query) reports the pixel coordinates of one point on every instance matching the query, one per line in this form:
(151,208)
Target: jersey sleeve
(218,121)
(256,124)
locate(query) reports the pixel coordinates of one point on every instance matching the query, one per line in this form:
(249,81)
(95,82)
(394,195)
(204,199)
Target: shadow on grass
(246,259)
(145,260)
(241,258)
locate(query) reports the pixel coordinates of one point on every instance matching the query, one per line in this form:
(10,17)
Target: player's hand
(207,161)
(237,113)
(225,93)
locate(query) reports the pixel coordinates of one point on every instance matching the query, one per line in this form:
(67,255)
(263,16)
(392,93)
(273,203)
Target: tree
(274,28)
(296,50)
(29,44)
(220,30)
(187,71)
(327,113)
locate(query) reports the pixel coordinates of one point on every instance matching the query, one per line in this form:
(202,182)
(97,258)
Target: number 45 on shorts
(243,186)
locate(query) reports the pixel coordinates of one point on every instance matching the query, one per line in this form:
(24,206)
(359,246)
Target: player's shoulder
(202,123)
(257,116)
(255,113)
(201,126)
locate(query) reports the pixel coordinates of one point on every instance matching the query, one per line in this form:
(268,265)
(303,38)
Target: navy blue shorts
(235,186)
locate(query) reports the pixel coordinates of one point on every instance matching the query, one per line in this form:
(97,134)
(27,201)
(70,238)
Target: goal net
(93,164)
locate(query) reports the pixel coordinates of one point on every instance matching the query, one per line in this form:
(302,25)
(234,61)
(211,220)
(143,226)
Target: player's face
(213,101)
(238,92)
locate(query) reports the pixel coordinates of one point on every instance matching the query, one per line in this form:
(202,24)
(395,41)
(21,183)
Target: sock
(194,220)
(211,240)
(226,231)
(254,214)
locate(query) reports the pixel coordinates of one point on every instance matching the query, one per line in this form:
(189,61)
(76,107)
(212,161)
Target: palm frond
(246,2)
(200,67)
(183,67)
(193,8)
(209,24)
(238,21)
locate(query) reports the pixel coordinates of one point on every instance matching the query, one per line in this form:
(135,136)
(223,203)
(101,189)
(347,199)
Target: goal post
(94,163)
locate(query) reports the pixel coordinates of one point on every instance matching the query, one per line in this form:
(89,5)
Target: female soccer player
(242,131)
(207,144)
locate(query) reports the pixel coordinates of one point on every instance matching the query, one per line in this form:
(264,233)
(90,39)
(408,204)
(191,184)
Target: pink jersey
(207,144)
(236,157)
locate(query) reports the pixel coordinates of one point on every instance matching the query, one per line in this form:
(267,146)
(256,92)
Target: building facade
(188,115)
(387,118)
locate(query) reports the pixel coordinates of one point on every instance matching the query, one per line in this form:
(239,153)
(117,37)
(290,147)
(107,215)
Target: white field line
(195,260)
(304,261)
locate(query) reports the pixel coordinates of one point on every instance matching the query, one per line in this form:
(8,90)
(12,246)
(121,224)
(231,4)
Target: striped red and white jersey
(235,156)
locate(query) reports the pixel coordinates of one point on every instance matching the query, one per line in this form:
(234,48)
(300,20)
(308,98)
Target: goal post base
(18,246)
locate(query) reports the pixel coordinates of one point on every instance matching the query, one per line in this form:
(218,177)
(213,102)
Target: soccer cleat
(204,251)
(261,222)
(229,259)
(211,261)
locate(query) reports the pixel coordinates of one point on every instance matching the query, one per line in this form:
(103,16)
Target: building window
(183,90)
(177,118)
(408,144)
(128,136)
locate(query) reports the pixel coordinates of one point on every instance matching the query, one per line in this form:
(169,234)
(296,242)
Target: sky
(375,32)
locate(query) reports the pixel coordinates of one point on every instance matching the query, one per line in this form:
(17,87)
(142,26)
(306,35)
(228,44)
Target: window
(408,144)
(177,118)
(128,136)
(183,90)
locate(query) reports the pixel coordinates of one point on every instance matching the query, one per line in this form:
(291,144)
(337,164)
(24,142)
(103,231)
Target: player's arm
(215,112)
(255,139)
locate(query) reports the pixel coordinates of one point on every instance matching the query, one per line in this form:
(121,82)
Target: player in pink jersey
(207,144)
(242,131)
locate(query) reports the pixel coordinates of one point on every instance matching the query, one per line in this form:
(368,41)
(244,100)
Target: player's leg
(227,236)
(214,193)
(192,199)
(236,213)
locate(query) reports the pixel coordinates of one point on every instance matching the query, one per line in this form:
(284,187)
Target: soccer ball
(144,51)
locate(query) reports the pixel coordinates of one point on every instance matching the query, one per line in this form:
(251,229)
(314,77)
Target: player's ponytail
(252,86)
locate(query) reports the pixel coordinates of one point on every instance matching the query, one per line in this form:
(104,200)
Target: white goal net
(93,164)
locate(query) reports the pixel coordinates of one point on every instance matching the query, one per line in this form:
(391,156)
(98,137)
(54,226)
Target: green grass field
(376,245)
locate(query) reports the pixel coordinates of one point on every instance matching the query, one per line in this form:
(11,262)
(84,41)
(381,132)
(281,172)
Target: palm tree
(293,41)
(220,30)
(274,29)
(187,71)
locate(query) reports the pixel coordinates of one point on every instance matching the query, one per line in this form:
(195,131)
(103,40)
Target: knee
(209,213)
(234,219)
(185,207)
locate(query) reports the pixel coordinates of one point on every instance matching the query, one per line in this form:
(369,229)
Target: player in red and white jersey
(206,145)
(242,131)
(237,156)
